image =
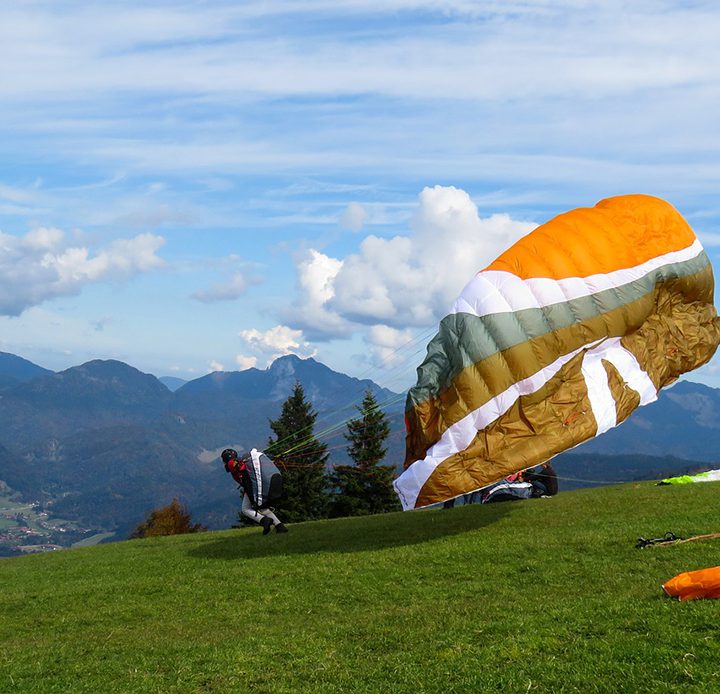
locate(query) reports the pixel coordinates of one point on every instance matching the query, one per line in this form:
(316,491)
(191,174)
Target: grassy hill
(547,595)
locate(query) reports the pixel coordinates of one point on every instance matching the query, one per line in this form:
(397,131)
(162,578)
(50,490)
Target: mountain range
(103,443)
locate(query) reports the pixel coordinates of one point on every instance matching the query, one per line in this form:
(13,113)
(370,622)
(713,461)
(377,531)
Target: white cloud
(354,217)
(316,274)
(215,366)
(277,342)
(122,259)
(235,286)
(21,195)
(40,266)
(149,213)
(495,91)
(280,338)
(43,238)
(386,345)
(385,336)
(498,50)
(245,362)
(406,280)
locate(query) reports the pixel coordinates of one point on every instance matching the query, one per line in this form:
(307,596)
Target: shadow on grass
(359,534)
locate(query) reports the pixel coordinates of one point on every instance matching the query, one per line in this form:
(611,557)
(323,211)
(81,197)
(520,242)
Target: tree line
(311,491)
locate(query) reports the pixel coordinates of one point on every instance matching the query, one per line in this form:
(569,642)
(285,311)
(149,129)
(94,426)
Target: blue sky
(189,186)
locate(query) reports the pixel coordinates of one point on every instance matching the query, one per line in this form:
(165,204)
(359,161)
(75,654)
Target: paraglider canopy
(708,476)
(555,342)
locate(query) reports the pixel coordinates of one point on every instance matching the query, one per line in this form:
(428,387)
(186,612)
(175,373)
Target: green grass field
(547,595)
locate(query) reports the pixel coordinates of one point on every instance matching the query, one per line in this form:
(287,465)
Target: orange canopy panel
(692,585)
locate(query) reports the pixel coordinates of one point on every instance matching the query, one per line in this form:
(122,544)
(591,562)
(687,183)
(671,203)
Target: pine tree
(301,458)
(365,487)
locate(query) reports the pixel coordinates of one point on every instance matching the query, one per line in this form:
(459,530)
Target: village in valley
(27,528)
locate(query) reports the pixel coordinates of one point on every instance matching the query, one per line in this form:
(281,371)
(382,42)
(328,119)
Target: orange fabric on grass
(692,585)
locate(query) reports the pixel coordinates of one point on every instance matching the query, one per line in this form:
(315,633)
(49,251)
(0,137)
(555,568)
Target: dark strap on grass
(642,542)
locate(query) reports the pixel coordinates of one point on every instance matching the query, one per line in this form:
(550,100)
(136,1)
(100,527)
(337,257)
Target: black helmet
(228,454)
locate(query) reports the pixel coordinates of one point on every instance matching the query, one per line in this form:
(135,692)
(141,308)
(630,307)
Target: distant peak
(286,358)
(688,387)
(106,365)
(19,368)
(289,360)
(105,369)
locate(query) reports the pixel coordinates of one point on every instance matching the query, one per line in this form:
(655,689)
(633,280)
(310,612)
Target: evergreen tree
(301,458)
(365,487)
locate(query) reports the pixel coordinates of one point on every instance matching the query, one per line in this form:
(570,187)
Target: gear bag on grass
(265,480)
